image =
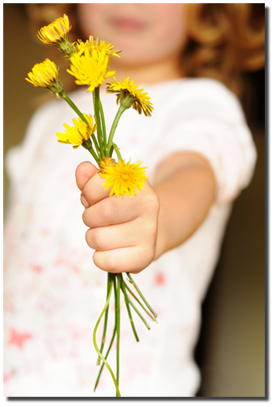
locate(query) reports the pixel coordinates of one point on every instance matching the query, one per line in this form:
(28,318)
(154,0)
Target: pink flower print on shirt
(17,338)
(75,268)
(59,261)
(45,232)
(6,378)
(36,268)
(159,278)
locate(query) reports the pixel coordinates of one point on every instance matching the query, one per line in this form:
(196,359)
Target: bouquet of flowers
(89,64)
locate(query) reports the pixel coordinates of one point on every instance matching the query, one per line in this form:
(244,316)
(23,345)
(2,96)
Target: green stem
(111,150)
(139,314)
(117,306)
(137,300)
(98,121)
(121,109)
(117,151)
(96,347)
(128,308)
(142,297)
(102,117)
(107,353)
(109,288)
(96,146)
(73,106)
(88,145)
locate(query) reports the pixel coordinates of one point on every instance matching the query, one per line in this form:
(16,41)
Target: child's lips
(127,24)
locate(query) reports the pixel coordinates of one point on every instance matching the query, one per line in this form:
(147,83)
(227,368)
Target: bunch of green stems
(115,282)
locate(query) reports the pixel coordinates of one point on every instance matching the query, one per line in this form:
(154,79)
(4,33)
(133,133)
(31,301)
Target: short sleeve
(211,123)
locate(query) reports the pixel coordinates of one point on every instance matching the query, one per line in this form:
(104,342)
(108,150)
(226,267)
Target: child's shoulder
(203,89)
(199,94)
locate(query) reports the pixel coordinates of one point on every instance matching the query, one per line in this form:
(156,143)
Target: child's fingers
(111,211)
(93,191)
(115,236)
(84,172)
(130,259)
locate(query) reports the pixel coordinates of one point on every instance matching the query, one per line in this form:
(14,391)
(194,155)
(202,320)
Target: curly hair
(225,40)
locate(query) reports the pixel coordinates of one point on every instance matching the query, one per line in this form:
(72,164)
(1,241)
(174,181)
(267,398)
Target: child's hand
(122,231)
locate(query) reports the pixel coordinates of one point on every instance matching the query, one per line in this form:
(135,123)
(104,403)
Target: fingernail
(84,202)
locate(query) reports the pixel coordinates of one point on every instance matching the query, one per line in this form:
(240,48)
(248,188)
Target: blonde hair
(225,40)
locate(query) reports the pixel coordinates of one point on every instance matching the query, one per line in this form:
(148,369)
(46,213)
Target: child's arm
(128,234)
(186,188)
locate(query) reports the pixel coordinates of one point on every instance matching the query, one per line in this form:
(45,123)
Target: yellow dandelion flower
(129,93)
(45,75)
(56,31)
(79,133)
(90,69)
(80,46)
(107,47)
(91,44)
(123,178)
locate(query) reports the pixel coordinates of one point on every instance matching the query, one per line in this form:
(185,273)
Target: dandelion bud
(56,33)
(45,75)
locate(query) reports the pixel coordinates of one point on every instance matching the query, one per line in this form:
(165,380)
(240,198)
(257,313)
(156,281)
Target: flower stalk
(115,147)
(117,318)
(103,126)
(96,347)
(106,356)
(127,302)
(98,122)
(141,295)
(120,111)
(88,145)
(109,288)
(72,105)
(96,147)
(139,303)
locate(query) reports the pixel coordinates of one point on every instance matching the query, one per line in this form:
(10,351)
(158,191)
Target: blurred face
(145,32)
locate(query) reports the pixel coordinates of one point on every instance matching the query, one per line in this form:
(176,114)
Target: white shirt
(54,293)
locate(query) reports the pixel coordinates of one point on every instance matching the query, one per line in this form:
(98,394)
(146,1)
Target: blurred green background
(231,349)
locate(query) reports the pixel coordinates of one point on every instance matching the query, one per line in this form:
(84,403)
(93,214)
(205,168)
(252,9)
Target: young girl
(199,155)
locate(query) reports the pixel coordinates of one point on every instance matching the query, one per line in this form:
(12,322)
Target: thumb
(84,172)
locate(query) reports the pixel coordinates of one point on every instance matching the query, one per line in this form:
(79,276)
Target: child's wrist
(160,247)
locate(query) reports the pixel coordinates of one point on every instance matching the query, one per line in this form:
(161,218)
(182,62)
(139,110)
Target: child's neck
(147,73)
